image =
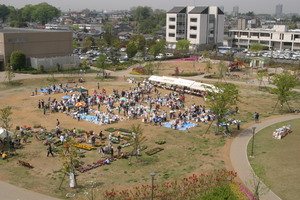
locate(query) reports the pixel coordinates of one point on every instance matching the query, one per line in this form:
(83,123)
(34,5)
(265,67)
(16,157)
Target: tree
(284,83)
(183,46)
(208,66)
(205,54)
(158,47)
(87,43)
(17,60)
(5,114)
(139,41)
(69,160)
(44,13)
(221,99)
(260,77)
(4,12)
(137,139)
(101,63)
(131,50)
(27,12)
(149,68)
(9,73)
(221,69)
(256,47)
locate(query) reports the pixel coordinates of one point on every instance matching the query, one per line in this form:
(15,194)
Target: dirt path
(11,192)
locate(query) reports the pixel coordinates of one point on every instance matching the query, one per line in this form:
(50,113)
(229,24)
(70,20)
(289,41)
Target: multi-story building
(34,43)
(235,11)
(201,25)
(278,10)
(278,38)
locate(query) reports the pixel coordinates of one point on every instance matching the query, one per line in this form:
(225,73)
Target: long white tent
(183,82)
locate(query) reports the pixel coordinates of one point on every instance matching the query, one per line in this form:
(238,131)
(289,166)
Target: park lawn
(277,162)
(184,153)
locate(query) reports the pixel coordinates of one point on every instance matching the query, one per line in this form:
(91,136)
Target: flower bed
(99,144)
(154,151)
(85,147)
(125,145)
(160,142)
(94,165)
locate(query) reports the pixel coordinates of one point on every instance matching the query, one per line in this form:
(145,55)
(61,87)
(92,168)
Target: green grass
(277,162)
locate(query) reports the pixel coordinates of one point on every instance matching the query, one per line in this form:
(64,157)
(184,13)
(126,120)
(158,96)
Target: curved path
(11,192)
(239,158)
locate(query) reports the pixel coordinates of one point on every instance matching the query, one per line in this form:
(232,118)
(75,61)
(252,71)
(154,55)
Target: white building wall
(202,32)
(168,31)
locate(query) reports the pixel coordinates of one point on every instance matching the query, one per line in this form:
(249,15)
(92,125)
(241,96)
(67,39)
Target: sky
(257,6)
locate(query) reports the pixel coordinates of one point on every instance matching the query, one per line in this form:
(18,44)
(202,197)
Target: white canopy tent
(203,87)
(183,82)
(5,133)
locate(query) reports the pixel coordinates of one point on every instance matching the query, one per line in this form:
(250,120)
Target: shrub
(41,68)
(135,73)
(188,74)
(219,193)
(18,60)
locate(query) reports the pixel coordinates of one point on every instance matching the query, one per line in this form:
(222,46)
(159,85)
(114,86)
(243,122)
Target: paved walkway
(11,192)
(239,158)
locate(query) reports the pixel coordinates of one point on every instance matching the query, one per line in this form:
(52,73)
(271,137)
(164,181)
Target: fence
(64,62)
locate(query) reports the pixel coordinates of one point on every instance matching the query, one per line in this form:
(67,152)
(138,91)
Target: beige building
(34,43)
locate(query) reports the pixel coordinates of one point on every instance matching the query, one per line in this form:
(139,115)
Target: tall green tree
(4,12)
(221,99)
(69,160)
(5,117)
(222,69)
(158,47)
(284,83)
(256,47)
(17,60)
(182,46)
(9,73)
(101,63)
(131,50)
(44,13)
(27,12)
(137,139)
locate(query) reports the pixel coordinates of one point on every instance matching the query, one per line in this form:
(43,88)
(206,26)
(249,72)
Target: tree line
(41,13)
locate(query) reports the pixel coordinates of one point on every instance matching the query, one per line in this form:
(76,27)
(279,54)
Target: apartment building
(278,38)
(201,25)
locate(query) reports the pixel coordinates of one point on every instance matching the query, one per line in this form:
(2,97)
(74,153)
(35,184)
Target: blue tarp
(185,125)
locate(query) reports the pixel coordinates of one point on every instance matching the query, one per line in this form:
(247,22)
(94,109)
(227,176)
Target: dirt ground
(184,154)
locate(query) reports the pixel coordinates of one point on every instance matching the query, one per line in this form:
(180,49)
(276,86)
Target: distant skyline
(257,6)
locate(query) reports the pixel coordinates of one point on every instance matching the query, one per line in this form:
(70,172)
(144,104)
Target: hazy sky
(258,6)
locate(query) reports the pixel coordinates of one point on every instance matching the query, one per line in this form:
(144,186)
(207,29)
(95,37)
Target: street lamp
(152,174)
(253,132)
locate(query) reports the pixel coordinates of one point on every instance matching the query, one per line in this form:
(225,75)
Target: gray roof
(180,9)
(199,10)
(27,30)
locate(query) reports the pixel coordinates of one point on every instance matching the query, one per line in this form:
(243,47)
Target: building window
(172,27)
(193,19)
(193,28)
(171,34)
(193,36)
(172,19)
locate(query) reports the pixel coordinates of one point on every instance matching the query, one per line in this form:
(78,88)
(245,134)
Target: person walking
(112,151)
(44,109)
(256,117)
(101,151)
(57,124)
(119,149)
(50,150)
(93,139)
